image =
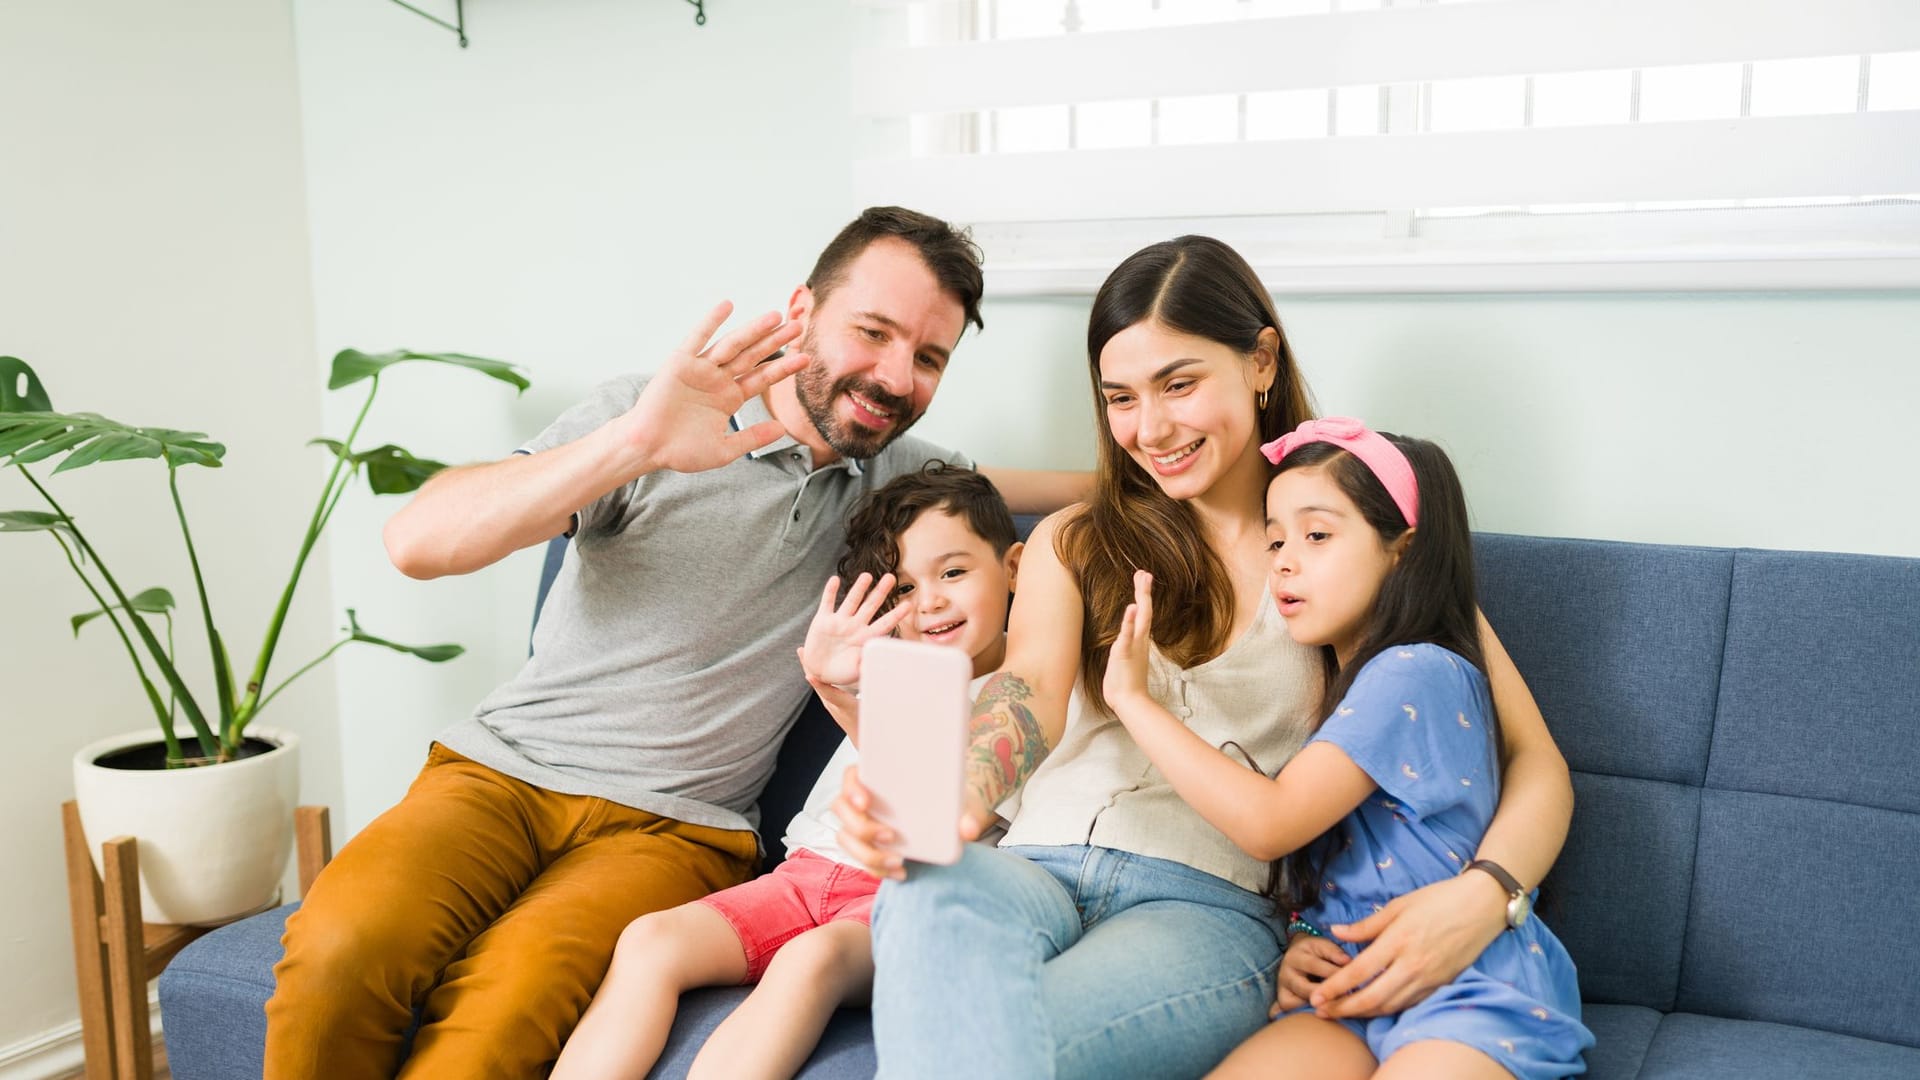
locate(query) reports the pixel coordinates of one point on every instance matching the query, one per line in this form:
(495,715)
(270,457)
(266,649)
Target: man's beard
(817,395)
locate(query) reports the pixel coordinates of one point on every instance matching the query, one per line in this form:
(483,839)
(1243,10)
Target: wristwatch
(1518,906)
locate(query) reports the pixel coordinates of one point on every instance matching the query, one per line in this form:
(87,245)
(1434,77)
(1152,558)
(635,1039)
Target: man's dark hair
(873,532)
(949,252)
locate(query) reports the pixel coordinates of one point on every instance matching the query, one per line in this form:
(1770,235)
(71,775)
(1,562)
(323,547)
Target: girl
(1372,564)
(1115,932)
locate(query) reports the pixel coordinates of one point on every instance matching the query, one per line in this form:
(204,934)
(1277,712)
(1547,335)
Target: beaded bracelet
(1298,925)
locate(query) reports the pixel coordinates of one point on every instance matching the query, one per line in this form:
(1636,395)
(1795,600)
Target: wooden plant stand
(115,952)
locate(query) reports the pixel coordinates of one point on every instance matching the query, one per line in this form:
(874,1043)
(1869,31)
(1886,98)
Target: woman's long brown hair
(1192,285)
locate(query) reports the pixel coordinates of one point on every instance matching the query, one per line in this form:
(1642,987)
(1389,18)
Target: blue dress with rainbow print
(1416,720)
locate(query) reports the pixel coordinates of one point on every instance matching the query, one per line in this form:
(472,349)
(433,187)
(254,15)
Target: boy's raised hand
(680,421)
(1126,678)
(832,652)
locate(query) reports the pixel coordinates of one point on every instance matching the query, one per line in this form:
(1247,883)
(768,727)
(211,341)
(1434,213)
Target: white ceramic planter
(214,840)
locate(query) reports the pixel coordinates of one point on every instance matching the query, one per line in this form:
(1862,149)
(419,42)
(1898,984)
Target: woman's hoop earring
(1261,400)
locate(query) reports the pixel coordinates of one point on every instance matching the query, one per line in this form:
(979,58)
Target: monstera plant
(32,432)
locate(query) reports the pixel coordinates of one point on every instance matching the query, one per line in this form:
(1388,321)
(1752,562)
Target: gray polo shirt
(663,674)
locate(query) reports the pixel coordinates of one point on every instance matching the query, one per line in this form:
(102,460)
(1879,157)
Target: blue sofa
(1740,886)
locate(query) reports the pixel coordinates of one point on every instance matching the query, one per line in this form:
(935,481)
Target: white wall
(572,191)
(153,268)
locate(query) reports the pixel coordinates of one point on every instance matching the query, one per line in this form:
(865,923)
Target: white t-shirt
(815,827)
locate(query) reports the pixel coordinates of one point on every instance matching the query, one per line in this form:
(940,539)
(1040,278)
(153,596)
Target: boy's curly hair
(873,530)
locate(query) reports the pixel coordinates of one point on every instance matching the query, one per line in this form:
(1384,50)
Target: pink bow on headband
(1374,451)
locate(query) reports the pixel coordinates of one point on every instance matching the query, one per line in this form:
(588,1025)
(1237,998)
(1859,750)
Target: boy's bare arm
(842,706)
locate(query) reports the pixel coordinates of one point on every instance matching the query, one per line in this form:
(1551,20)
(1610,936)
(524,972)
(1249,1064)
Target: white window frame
(1307,213)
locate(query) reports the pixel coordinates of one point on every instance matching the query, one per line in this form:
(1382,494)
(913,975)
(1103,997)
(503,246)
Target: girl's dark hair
(1427,597)
(874,528)
(1193,285)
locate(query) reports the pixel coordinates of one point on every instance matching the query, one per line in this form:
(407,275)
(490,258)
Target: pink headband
(1372,448)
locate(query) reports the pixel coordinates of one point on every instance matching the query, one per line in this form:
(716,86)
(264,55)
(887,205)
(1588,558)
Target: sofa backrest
(1744,730)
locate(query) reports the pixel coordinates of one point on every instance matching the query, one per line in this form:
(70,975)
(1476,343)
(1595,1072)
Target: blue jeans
(1037,962)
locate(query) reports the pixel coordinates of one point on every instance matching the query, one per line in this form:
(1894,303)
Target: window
(1425,145)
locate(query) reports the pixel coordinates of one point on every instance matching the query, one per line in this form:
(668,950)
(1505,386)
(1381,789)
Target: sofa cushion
(1692,1047)
(1621,1035)
(845,1051)
(1644,827)
(1802,913)
(1620,643)
(1811,811)
(212,997)
(1822,680)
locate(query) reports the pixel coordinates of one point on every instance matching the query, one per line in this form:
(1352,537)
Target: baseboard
(59,1053)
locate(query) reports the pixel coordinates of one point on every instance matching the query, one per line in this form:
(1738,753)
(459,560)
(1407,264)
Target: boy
(941,543)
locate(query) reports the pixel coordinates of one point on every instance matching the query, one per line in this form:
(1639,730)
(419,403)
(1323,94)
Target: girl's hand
(1126,679)
(832,652)
(1420,942)
(1308,961)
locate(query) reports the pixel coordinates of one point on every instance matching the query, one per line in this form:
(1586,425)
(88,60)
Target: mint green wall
(1674,418)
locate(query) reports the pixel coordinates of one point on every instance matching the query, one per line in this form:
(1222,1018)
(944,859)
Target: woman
(1114,932)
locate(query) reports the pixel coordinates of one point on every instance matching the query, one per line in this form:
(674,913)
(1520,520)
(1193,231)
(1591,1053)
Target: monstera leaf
(32,431)
(152,602)
(431,653)
(86,438)
(36,521)
(20,389)
(390,470)
(351,365)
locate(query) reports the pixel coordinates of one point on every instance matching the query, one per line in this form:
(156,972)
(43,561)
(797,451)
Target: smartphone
(914,710)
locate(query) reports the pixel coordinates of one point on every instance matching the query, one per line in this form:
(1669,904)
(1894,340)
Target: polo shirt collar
(755,411)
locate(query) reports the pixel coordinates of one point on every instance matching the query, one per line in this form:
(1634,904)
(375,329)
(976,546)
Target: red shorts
(806,891)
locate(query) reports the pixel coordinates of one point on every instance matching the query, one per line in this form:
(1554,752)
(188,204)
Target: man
(614,774)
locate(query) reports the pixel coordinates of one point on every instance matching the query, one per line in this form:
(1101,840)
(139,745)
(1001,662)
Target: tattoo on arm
(1006,743)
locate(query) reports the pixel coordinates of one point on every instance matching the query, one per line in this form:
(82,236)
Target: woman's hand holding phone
(865,838)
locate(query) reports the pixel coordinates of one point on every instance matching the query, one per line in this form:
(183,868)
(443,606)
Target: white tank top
(1098,788)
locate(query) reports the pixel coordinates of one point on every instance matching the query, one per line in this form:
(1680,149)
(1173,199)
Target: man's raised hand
(681,420)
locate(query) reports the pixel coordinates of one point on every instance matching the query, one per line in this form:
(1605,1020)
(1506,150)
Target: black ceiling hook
(699,12)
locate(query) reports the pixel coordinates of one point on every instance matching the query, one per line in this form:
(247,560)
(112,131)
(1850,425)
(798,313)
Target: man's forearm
(1007,742)
(1039,491)
(471,517)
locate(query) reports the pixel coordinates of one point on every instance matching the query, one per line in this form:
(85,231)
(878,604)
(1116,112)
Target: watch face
(1518,909)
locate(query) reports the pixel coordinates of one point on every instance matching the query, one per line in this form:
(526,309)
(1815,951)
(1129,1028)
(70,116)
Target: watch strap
(1498,873)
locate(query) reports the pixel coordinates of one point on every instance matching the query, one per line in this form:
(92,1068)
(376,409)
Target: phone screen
(913,741)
